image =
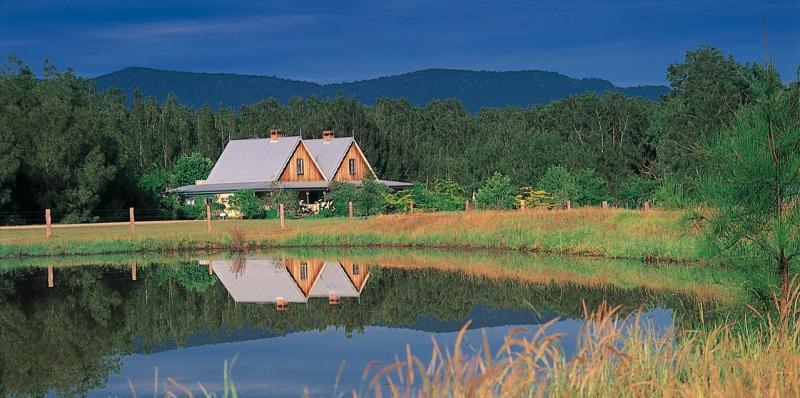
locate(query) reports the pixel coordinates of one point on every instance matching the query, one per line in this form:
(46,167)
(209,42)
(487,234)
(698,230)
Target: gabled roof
(329,154)
(258,281)
(333,279)
(253,160)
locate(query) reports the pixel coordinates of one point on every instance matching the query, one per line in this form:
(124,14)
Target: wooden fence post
(210,267)
(281,216)
(133,221)
(50,278)
(605,204)
(133,271)
(569,205)
(411,207)
(208,217)
(350,211)
(466,206)
(522,204)
(48,221)
(646,206)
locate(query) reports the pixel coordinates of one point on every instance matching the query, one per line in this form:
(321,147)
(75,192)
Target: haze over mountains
(475,89)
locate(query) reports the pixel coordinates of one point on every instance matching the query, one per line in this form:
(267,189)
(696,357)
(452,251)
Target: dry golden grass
(615,357)
(585,231)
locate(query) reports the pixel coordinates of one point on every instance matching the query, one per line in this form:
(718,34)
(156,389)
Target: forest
(66,146)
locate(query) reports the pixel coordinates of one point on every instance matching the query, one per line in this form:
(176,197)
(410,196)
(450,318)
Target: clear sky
(626,42)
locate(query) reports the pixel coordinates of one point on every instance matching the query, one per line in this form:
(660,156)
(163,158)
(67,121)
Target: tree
(247,203)
(559,183)
(707,90)
(497,193)
(636,189)
(371,198)
(591,188)
(752,184)
(190,168)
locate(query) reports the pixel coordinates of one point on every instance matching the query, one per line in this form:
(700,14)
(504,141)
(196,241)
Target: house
(306,166)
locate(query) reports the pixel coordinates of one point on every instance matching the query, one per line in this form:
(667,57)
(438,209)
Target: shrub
(559,183)
(247,204)
(497,193)
(533,197)
(591,189)
(636,189)
(285,197)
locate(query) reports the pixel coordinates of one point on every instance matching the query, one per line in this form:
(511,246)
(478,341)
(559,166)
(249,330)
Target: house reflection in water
(290,280)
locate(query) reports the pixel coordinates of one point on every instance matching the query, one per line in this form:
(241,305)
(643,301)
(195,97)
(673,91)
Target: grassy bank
(708,284)
(655,235)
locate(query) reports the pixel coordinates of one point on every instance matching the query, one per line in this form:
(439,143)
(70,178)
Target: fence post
(281,216)
(646,206)
(133,221)
(605,204)
(208,217)
(466,206)
(569,205)
(48,221)
(50,282)
(210,267)
(411,207)
(522,204)
(350,211)
(133,271)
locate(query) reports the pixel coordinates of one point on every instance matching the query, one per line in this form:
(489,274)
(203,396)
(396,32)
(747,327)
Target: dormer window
(300,167)
(352,165)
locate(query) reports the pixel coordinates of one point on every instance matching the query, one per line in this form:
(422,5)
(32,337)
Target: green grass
(653,236)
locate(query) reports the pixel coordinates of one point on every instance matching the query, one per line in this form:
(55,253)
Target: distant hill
(475,89)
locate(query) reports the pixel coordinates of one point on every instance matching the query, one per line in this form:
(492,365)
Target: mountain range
(475,89)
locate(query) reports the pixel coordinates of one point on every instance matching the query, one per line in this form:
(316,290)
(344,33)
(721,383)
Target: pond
(294,322)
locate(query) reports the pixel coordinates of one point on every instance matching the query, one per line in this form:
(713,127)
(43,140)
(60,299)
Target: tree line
(65,146)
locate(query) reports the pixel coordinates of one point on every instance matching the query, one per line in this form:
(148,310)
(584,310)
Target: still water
(294,325)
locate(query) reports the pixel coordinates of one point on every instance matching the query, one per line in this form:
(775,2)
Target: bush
(636,189)
(591,189)
(285,197)
(368,199)
(534,197)
(497,193)
(670,194)
(190,168)
(559,183)
(447,195)
(197,211)
(247,204)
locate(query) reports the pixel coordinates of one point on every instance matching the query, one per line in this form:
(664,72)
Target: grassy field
(653,236)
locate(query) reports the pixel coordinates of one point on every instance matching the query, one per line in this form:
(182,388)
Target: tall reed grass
(615,356)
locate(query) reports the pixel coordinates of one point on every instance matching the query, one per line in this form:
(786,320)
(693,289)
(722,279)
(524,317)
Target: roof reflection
(289,280)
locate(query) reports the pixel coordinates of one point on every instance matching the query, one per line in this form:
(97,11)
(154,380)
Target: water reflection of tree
(69,338)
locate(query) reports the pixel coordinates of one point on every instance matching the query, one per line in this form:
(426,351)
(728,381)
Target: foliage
(671,194)
(497,193)
(559,183)
(285,197)
(636,189)
(247,204)
(591,188)
(534,197)
(68,147)
(753,180)
(197,211)
(447,195)
(190,168)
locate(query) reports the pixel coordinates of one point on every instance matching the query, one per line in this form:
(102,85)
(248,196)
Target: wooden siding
(359,278)
(313,267)
(311,172)
(362,168)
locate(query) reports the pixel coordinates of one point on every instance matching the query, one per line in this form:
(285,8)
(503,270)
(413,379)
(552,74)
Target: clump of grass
(615,357)
(238,242)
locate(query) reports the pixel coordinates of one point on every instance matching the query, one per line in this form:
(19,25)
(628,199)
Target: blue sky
(626,42)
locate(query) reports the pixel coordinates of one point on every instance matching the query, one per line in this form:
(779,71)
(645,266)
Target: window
(303,271)
(300,167)
(356,269)
(352,164)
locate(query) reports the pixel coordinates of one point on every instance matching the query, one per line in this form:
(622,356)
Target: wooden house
(307,166)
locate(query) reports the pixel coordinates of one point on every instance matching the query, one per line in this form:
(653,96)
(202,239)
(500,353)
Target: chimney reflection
(283,281)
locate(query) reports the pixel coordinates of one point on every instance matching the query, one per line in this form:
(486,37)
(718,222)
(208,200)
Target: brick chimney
(327,135)
(274,134)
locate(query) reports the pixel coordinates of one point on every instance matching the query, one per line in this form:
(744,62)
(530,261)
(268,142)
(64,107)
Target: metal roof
(253,160)
(258,281)
(329,154)
(266,186)
(333,279)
